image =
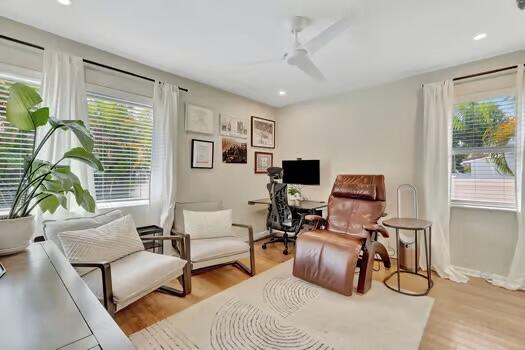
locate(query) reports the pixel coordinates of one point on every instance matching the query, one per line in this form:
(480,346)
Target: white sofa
(206,253)
(121,282)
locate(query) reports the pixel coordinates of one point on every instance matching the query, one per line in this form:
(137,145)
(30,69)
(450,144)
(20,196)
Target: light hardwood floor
(475,315)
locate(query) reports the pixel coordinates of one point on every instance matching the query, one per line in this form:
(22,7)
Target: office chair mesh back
(280,216)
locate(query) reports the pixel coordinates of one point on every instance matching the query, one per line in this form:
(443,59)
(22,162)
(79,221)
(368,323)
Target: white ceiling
(210,40)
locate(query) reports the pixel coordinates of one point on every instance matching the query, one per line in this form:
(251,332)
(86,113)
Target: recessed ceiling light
(282,92)
(480,36)
(65,2)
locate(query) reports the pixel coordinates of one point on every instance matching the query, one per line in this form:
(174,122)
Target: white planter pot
(15,234)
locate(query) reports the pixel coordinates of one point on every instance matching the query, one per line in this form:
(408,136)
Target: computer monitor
(301,172)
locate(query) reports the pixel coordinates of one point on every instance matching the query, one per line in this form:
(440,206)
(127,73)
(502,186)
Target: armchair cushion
(108,242)
(193,206)
(53,227)
(136,275)
(208,224)
(216,248)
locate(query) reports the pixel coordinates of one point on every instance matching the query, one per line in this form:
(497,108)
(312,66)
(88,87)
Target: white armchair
(120,282)
(206,253)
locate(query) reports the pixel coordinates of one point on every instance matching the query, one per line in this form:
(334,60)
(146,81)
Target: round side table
(415,225)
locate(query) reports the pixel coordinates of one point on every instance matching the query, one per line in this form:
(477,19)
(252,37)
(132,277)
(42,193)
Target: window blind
(484,152)
(14,145)
(122,131)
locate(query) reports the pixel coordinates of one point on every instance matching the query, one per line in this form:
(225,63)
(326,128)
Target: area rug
(277,311)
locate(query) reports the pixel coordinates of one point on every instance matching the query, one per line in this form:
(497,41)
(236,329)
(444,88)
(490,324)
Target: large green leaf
(50,203)
(84,156)
(22,99)
(88,203)
(80,130)
(84,198)
(63,174)
(40,116)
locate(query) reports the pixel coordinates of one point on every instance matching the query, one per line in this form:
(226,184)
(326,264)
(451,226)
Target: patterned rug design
(286,295)
(239,325)
(276,311)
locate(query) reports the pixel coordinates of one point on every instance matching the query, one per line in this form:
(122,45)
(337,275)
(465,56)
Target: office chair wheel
(264,246)
(285,252)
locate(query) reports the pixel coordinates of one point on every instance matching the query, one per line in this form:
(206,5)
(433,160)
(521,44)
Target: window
(14,145)
(123,138)
(484,151)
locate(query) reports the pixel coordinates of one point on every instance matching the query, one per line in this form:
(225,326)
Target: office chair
(280,216)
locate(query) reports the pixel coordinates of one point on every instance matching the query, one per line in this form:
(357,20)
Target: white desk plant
(43,184)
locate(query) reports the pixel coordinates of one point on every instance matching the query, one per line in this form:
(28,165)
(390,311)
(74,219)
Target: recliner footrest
(327,259)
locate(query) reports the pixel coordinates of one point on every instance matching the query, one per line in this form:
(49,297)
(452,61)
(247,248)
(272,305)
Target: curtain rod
(86,61)
(484,73)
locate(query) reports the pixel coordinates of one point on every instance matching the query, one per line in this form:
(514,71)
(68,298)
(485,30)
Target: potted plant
(43,184)
(294,194)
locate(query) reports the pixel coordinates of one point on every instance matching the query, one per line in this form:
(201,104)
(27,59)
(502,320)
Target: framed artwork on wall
(233,127)
(202,154)
(199,120)
(263,132)
(234,151)
(263,161)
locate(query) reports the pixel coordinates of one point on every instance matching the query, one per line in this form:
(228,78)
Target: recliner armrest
(377,228)
(107,284)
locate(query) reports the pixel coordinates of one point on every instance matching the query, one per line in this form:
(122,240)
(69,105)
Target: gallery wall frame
(202,154)
(262,132)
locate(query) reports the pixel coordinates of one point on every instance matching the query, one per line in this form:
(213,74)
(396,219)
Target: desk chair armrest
(376,228)
(107,284)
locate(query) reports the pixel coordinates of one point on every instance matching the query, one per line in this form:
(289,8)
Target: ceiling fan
(299,55)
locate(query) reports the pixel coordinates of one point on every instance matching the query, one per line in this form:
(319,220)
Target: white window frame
(109,93)
(480,96)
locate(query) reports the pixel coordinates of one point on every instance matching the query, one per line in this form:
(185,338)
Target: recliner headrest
(366,187)
(358,191)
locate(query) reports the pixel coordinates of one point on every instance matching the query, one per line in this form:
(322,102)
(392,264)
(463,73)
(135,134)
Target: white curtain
(64,92)
(436,147)
(516,277)
(163,177)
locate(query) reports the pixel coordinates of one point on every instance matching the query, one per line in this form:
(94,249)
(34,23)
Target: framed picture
(263,132)
(199,119)
(233,127)
(263,161)
(234,151)
(202,154)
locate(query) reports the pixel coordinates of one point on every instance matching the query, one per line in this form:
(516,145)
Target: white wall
(234,184)
(375,130)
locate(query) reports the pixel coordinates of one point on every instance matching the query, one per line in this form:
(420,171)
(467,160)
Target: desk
(46,305)
(305,205)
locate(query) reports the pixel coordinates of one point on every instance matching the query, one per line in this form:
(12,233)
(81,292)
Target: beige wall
(375,130)
(234,184)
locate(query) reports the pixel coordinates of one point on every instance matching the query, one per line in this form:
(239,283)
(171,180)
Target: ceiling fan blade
(269,60)
(327,35)
(305,64)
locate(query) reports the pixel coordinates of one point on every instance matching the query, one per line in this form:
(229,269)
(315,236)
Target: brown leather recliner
(329,254)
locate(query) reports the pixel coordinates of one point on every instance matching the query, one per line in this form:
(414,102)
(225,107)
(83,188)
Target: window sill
(123,204)
(481,207)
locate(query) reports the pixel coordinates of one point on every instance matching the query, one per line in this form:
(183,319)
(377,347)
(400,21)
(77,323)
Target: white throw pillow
(208,224)
(105,243)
